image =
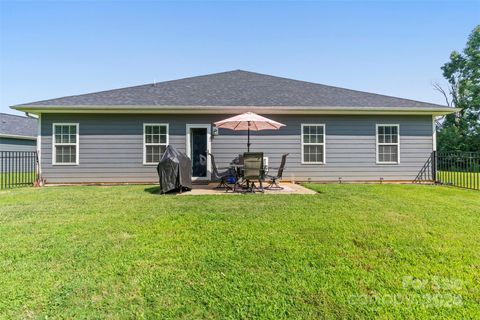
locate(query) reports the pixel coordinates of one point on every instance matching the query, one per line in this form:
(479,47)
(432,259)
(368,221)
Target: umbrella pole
(248,141)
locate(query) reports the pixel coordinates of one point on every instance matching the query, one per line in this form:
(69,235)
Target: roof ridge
(237,85)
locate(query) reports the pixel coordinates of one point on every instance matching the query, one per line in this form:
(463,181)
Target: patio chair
(273,183)
(222,176)
(238,159)
(253,170)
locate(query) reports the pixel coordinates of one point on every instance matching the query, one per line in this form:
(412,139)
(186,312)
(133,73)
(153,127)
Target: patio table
(240,181)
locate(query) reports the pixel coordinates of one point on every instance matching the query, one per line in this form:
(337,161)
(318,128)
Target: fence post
(434,166)
(36,169)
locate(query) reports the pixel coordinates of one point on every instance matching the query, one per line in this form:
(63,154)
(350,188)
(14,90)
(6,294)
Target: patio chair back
(282,166)
(240,159)
(252,165)
(216,175)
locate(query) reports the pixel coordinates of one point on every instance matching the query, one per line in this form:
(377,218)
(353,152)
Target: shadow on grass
(152,190)
(312,186)
(156,191)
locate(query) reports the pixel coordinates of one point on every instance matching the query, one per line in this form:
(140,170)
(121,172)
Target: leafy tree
(461,131)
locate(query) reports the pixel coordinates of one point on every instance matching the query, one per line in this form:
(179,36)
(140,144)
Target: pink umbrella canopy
(249,121)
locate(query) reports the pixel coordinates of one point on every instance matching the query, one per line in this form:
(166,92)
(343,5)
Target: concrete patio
(209,189)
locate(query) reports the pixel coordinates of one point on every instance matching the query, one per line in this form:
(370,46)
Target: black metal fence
(18,169)
(459,169)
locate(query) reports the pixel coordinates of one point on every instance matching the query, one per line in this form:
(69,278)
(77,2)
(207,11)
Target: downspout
(39,149)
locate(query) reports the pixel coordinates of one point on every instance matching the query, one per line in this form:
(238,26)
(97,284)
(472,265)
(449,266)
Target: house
(331,133)
(17,133)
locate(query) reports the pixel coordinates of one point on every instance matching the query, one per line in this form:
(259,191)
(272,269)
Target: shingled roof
(12,125)
(232,89)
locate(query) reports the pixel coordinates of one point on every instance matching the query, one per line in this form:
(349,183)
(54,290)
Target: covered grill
(174,171)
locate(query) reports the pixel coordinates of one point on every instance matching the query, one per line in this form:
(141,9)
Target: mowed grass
(462,179)
(350,251)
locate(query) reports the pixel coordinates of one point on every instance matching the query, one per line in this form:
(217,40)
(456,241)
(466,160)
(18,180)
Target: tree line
(461,131)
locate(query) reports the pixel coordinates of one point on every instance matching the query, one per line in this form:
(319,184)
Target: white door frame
(209,146)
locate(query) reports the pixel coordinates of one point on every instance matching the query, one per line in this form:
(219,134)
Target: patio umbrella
(249,121)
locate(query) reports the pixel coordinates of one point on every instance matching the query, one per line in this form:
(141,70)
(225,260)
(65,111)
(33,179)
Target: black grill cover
(174,171)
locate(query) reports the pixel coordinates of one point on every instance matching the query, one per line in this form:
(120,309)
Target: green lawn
(462,179)
(350,251)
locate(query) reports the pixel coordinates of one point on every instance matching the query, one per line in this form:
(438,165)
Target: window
(155,141)
(313,143)
(65,144)
(388,143)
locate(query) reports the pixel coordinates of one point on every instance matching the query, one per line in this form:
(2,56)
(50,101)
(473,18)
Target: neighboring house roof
(231,89)
(12,126)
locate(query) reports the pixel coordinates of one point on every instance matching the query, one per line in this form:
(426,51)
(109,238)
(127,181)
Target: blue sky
(54,49)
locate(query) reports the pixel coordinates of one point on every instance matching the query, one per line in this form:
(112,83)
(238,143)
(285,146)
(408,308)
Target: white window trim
(77,144)
(387,144)
(324,144)
(145,163)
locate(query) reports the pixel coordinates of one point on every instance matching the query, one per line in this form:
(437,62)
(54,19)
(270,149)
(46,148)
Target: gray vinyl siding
(111,146)
(10,144)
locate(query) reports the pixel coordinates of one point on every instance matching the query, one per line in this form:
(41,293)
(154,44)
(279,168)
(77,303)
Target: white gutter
(16,136)
(129,109)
